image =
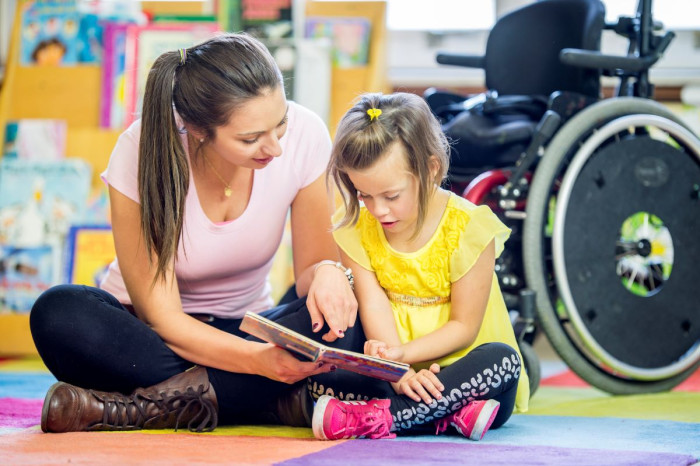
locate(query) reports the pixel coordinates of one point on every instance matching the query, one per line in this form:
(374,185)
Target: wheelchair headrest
(522,50)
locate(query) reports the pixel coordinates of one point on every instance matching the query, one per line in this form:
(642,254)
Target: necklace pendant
(227,191)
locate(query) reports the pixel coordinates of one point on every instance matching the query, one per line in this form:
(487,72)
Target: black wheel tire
(531,361)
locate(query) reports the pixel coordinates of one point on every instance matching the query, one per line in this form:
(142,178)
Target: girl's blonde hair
(362,139)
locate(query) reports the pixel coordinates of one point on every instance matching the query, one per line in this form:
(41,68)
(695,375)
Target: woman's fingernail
(315,325)
(341,333)
(320,364)
(333,368)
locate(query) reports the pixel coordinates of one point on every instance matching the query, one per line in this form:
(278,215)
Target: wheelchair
(602,195)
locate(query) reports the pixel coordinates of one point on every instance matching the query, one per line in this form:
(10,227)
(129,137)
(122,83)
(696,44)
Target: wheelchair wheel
(610,246)
(532,366)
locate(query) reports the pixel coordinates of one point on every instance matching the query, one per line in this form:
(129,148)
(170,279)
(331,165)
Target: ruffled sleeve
(349,239)
(482,226)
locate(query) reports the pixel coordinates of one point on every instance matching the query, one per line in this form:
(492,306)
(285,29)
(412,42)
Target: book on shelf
(35,139)
(59,32)
(89,252)
(264,19)
(146,43)
(300,345)
(350,38)
(25,273)
(112,98)
(39,199)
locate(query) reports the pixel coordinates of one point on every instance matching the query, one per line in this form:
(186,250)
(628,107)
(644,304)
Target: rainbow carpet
(569,423)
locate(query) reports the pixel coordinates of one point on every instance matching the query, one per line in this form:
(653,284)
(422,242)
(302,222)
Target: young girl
(423,260)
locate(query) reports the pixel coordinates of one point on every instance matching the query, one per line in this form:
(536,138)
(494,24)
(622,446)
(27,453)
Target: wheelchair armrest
(468,61)
(597,60)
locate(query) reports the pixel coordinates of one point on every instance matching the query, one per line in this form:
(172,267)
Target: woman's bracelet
(347,271)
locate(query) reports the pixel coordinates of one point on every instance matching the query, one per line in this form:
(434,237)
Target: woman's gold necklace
(227,187)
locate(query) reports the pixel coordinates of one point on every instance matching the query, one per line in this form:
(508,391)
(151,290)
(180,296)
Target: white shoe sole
(482,422)
(319,412)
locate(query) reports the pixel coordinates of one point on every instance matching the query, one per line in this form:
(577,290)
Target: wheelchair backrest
(522,50)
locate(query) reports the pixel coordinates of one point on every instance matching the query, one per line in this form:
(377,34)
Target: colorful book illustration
(25,273)
(89,251)
(272,332)
(49,34)
(35,139)
(266,19)
(59,32)
(112,99)
(39,200)
(146,43)
(349,37)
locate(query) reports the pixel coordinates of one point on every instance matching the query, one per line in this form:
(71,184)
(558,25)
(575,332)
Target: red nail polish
(315,326)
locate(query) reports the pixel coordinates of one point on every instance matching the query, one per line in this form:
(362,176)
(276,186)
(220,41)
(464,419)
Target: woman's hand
(332,301)
(380,349)
(278,364)
(421,385)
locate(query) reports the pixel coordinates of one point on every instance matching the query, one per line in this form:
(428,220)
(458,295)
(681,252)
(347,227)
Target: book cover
(39,200)
(49,34)
(59,32)
(25,273)
(112,98)
(146,43)
(272,332)
(89,251)
(35,139)
(350,38)
(266,19)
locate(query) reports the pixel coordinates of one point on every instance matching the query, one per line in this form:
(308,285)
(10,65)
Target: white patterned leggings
(490,371)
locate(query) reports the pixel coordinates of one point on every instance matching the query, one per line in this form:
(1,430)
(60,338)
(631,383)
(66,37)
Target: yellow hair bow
(373,113)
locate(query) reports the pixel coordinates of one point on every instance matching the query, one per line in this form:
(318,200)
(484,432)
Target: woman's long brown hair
(216,77)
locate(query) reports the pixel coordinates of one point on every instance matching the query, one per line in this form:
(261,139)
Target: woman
(200,189)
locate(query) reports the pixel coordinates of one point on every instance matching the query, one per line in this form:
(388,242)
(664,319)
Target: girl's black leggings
(87,338)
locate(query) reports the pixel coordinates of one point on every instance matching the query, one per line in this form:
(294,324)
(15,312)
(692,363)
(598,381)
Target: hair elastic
(374,113)
(183,56)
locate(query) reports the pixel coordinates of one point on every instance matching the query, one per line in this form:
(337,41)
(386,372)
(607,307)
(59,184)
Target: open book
(297,343)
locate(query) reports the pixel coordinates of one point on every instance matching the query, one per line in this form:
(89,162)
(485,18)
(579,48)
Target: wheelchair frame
(603,342)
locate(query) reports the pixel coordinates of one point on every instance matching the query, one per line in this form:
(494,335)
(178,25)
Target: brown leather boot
(184,399)
(295,407)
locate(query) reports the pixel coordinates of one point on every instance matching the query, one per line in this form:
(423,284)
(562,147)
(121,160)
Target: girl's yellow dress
(418,284)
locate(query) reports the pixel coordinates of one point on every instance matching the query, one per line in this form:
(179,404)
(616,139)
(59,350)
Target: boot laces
(132,410)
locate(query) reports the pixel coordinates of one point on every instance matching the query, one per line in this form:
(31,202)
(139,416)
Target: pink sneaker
(334,419)
(473,420)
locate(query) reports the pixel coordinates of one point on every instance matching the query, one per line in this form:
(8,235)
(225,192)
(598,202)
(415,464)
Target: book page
(283,337)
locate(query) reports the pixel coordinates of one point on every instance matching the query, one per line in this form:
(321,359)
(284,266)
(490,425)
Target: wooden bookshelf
(348,83)
(71,93)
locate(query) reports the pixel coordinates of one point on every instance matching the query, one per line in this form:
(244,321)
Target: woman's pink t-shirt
(222,269)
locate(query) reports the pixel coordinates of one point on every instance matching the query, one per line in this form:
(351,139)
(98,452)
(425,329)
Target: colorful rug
(569,423)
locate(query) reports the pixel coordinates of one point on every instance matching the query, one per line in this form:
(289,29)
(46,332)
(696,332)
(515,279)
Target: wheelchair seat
(492,131)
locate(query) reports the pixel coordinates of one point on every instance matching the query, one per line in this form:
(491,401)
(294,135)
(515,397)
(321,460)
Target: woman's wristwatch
(347,271)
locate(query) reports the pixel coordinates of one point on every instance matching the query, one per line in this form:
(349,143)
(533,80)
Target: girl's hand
(278,364)
(419,386)
(380,349)
(331,300)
